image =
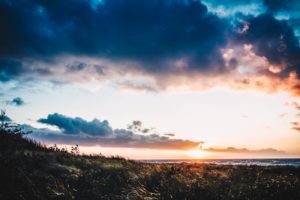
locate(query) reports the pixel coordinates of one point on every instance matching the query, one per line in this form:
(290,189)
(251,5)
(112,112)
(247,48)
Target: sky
(159,79)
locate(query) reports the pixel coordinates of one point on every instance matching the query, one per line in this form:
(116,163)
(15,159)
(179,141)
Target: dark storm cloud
(273,39)
(18,101)
(295,23)
(82,40)
(77,125)
(13,69)
(264,5)
(10,69)
(148,32)
(281,5)
(91,133)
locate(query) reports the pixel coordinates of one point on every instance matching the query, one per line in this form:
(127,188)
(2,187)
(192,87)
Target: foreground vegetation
(31,171)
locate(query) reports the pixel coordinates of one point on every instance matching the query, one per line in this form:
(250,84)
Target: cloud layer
(268,151)
(165,43)
(92,133)
(126,30)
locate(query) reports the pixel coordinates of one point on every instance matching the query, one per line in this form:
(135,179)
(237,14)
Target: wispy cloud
(295,125)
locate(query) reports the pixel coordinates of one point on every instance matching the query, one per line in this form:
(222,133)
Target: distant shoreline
(248,162)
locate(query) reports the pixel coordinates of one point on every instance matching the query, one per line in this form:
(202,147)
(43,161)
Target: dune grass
(29,170)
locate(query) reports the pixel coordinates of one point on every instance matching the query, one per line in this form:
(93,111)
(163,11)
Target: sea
(248,162)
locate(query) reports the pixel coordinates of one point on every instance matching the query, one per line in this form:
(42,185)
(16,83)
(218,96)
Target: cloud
(275,40)
(269,151)
(137,86)
(18,101)
(90,133)
(78,125)
(275,43)
(279,5)
(295,126)
(180,45)
(114,29)
(253,6)
(295,105)
(137,127)
(229,8)
(169,134)
(12,68)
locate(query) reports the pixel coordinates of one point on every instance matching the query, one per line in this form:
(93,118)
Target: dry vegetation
(31,171)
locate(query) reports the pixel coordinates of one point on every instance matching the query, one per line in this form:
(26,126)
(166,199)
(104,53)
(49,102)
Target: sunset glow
(198,154)
(154,79)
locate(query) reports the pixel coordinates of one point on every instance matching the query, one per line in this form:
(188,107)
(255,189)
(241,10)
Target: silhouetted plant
(9,126)
(4,120)
(75,149)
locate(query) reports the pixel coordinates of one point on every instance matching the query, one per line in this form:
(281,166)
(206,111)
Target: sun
(197,153)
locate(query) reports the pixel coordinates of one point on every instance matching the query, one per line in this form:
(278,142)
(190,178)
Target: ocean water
(258,162)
